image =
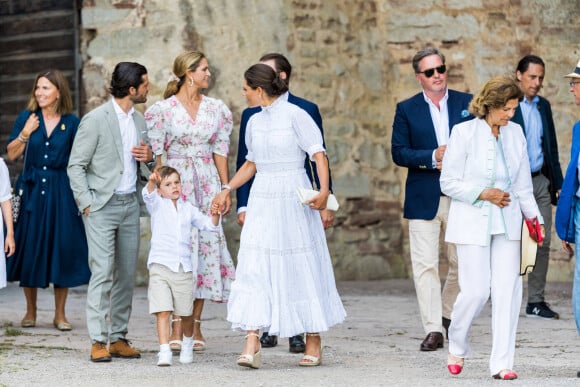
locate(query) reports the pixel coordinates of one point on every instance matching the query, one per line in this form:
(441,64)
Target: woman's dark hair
(125,76)
(166,171)
(281,62)
(64,104)
(261,75)
(494,94)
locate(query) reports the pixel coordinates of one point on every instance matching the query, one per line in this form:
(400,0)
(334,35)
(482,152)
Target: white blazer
(468,168)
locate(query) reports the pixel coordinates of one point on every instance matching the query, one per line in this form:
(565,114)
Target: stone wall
(353,58)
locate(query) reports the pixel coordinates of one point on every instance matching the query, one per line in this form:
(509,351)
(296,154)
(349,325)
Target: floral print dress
(189,145)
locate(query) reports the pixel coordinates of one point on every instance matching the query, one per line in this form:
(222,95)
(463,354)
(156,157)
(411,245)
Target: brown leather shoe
(433,341)
(122,348)
(99,352)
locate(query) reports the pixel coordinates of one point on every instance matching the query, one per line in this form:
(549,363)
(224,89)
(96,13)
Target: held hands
(495,196)
(142,152)
(222,203)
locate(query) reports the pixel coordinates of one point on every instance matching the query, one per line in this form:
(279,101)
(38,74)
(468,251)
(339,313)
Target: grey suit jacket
(96,162)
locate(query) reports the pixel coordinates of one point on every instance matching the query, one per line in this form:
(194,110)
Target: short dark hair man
(104,173)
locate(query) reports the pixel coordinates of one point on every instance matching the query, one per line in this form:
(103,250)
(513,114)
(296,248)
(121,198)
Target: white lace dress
(284,279)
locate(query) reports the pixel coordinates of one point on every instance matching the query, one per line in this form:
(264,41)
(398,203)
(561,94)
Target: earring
(190,82)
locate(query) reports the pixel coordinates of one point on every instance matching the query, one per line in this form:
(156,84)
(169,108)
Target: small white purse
(305,194)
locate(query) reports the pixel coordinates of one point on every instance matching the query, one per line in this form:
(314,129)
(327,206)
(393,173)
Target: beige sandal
(309,360)
(252,361)
(175,345)
(198,345)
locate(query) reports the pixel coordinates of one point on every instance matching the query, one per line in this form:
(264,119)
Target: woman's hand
(9,245)
(543,231)
(495,196)
(327,217)
(222,203)
(32,123)
(319,201)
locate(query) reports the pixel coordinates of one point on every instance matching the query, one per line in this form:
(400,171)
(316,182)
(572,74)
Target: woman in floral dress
(193,132)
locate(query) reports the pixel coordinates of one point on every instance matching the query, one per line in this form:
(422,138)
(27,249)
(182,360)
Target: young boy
(171,270)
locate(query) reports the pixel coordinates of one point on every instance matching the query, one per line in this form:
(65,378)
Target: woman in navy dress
(51,245)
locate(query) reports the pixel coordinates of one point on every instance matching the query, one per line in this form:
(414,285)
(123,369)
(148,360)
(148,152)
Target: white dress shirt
(171,231)
(128,181)
(440,119)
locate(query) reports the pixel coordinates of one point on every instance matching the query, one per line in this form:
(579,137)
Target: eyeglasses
(573,83)
(429,73)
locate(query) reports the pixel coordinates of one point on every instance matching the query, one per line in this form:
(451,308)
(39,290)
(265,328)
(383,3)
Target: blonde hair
(188,60)
(64,104)
(494,94)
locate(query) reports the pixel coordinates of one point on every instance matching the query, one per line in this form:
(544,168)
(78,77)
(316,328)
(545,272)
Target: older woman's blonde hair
(188,60)
(64,104)
(494,94)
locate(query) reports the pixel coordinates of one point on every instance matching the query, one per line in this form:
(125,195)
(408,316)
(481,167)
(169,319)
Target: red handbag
(535,229)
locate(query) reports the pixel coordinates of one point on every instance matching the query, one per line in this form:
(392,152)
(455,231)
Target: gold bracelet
(22,138)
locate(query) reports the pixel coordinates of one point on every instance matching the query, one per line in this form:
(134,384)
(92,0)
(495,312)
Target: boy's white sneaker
(186,354)
(165,358)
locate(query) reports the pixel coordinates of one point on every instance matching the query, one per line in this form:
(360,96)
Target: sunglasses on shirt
(429,73)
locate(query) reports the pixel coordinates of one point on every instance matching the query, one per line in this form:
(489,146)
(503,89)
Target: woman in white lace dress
(284,279)
(193,132)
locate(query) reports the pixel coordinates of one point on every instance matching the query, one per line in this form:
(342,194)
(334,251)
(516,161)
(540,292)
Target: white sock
(187,340)
(164,348)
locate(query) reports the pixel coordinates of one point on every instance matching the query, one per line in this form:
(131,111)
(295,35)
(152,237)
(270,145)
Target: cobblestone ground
(376,346)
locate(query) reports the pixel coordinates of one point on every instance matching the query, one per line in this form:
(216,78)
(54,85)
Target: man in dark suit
(282,66)
(534,115)
(420,132)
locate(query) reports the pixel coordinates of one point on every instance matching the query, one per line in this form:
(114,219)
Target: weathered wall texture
(353,59)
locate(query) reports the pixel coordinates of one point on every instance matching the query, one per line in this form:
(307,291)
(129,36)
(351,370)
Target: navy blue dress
(51,245)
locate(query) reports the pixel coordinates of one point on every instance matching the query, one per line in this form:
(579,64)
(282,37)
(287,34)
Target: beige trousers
(424,244)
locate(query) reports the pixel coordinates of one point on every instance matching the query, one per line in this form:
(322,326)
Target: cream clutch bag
(305,194)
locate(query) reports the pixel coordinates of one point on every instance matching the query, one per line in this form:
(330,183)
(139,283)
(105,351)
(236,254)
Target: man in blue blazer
(421,129)
(534,115)
(282,66)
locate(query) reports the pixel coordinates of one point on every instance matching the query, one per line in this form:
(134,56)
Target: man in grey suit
(104,175)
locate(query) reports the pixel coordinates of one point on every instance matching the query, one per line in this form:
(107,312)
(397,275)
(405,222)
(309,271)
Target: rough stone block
(98,18)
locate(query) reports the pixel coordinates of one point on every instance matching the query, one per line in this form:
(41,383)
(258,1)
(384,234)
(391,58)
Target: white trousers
(424,245)
(495,269)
